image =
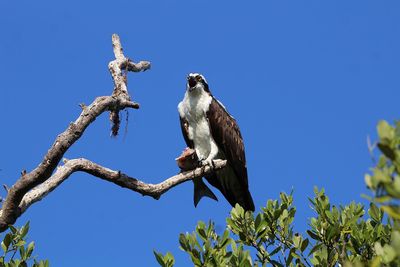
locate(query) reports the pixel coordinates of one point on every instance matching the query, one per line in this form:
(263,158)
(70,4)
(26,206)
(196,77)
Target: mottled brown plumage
(226,134)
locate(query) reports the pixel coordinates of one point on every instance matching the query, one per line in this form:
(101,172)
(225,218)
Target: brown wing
(185,132)
(226,134)
(232,180)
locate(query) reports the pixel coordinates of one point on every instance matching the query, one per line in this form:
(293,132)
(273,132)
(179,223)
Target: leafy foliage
(342,235)
(348,235)
(15,251)
(268,234)
(384,181)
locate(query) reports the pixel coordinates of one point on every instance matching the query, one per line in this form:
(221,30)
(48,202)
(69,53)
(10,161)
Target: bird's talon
(203,167)
(200,162)
(212,165)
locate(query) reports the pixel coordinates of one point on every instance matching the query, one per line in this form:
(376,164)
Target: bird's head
(196,83)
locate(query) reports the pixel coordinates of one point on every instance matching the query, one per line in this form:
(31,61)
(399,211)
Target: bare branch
(116,177)
(116,68)
(135,67)
(119,100)
(118,51)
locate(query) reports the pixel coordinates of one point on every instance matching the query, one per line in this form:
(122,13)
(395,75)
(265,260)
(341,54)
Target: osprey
(213,133)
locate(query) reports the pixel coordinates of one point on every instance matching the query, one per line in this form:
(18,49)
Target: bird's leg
(211,156)
(202,165)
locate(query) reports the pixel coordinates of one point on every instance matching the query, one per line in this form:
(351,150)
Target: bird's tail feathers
(247,203)
(201,190)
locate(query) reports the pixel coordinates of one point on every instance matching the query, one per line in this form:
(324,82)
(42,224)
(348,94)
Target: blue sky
(307,82)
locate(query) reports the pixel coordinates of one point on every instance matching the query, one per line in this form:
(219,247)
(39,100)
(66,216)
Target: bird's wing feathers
(226,134)
(232,180)
(185,132)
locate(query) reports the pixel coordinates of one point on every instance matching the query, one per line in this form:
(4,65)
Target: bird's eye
(198,78)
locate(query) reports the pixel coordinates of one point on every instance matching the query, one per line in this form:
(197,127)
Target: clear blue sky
(306,80)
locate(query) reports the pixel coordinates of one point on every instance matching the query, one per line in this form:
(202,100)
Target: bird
(213,133)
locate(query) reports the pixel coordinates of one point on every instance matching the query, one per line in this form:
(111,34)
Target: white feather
(193,109)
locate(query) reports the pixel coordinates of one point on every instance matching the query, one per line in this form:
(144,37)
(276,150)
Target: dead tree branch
(83,165)
(118,69)
(32,186)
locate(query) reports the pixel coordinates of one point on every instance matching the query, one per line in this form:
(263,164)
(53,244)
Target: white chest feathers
(193,109)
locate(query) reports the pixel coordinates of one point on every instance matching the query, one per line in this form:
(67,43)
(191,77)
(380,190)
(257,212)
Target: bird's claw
(208,162)
(203,163)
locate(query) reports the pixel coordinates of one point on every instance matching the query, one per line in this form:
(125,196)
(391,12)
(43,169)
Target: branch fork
(33,186)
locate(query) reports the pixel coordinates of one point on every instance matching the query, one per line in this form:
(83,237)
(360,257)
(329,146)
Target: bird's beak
(191,82)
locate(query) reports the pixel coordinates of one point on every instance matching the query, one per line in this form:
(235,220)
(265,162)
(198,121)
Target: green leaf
(382,199)
(159,258)
(201,225)
(304,244)
(13,229)
(169,259)
(392,211)
(30,249)
(6,242)
(374,212)
(296,240)
(196,258)
(316,248)
(22,252)
(225,240)
(258,221)
(24,230)
(290,257)
(276,250)
(202,234)
(385,131)
(184,242)
(370,183)
(387,151)
(20,243)
(313,235)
